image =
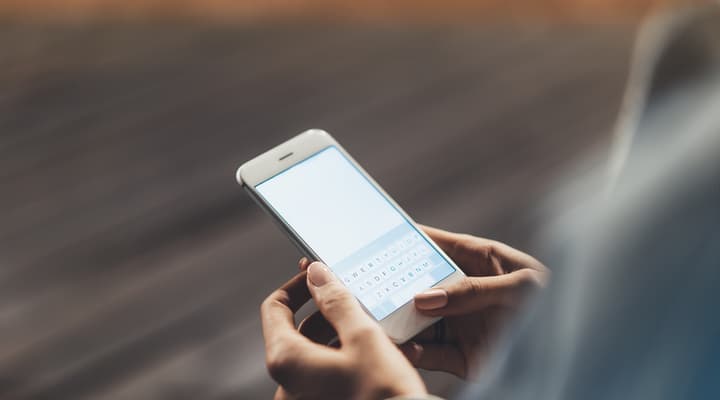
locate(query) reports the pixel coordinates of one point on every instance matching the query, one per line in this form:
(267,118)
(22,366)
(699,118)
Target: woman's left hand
(367,365)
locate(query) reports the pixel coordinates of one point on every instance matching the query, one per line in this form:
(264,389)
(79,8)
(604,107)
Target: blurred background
(131,264)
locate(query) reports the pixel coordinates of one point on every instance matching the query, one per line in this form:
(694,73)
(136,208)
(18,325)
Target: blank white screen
(330,205)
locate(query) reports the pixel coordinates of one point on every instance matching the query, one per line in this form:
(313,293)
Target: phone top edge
(238,175)
(274,152)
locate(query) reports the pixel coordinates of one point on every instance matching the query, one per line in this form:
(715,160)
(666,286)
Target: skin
(365,364)
(477,308)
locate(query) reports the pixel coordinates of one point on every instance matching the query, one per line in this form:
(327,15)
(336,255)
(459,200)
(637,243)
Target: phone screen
(353,228)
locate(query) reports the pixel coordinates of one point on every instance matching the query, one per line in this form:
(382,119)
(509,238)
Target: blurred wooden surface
(470,11)
(131,264)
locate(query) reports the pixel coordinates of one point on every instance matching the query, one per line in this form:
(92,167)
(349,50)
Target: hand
(476,308)
(367,365)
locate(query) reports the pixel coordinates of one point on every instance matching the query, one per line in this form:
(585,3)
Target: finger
(477,293)
(303,264)
(281,394)
(293,293)
(316,328)
(436,357)
(475,255)
(292,359)
(411,350)
(278,309)
(338,305)
(481,256)
(445,239)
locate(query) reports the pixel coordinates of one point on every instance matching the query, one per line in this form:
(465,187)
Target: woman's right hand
(499,279)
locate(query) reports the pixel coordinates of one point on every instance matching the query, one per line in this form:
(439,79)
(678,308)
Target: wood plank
(131,265)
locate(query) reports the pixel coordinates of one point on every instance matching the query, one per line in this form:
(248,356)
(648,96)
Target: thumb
(337,304)
(282,394)
(477,293)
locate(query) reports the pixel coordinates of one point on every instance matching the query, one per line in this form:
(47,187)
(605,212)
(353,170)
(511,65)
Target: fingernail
(302,262)
(319,274)
(431,299)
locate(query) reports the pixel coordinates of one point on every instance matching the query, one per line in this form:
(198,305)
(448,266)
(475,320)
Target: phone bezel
(405,322)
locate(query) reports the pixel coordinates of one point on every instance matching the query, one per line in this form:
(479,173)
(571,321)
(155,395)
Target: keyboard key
(393,273)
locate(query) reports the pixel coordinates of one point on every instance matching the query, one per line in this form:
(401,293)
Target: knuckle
(492,254)
(485,254)
(464,246)
(467,294)
(474,287)
(527,281)
(335,298)
(275,298)
(280,365)
(267,303)
(364,333)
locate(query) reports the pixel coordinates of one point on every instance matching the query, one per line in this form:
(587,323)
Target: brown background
(373,10)
(131,264)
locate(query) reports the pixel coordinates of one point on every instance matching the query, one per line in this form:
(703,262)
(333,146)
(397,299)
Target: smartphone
(336,213)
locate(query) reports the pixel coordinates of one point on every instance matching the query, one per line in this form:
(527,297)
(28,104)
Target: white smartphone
(336,213)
